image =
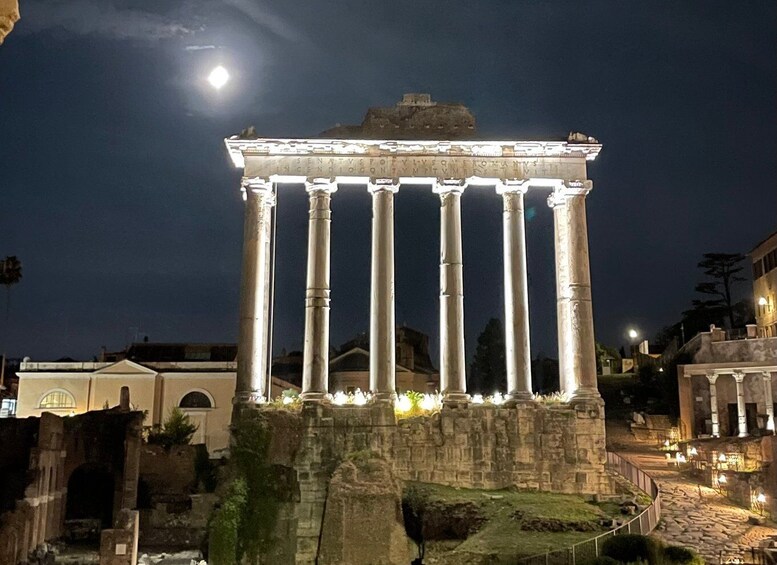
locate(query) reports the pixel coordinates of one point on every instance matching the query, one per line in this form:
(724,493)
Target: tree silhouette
(487,371)
(723,268)
(10,274)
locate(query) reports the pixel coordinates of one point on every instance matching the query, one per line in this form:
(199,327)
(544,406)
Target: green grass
(502,534)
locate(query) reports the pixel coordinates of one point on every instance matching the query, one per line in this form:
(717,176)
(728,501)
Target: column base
(314,396)
(585,395)
(249,398)
(384,397)
(519,397)
(455,399)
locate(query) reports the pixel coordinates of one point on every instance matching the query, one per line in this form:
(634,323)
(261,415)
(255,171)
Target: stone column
(767,376)
(252,354)
(712,378)
(315,363)
(382,314)
(739,377)
(577,351)
(453,377)
(517,350)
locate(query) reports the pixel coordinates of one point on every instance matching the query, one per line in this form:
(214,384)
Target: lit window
(58,399)
(195,399)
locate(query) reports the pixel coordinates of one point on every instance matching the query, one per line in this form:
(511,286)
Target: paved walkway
(692,515)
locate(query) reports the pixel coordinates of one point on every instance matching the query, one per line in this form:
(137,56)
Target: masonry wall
(530,446)
(40,454)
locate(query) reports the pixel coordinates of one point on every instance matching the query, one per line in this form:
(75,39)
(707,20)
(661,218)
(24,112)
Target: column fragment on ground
(315,363)
(712,378)
(453,379)
(253,339)
(382,308)
(517,348)
(767,376)
(577,351)
(739,377)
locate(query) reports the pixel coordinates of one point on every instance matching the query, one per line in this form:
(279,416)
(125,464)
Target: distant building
(349,369)
(764,257)
(197,378)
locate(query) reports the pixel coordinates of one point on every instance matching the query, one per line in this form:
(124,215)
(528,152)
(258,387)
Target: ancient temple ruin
(423,145)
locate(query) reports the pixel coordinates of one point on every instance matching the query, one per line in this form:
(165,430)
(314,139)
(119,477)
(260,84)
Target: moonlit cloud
(264,17)
(114,19)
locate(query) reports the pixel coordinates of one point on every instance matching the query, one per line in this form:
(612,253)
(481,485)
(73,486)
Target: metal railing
(588,550)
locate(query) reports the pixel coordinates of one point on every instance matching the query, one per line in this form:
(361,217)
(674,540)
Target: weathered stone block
(363,521)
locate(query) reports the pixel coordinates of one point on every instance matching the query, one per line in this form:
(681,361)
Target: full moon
(218,77)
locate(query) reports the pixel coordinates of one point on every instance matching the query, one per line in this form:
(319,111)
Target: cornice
(238,148)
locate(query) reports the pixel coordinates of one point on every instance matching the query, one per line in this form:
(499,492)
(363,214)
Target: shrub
(225,524)
(628,548)
(177,430)
(681,556)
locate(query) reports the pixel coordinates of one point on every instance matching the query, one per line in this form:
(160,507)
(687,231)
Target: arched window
(195,399)
(57,399)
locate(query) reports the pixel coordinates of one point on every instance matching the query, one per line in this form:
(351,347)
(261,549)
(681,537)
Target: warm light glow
(666,443)
(340,398)
(288,399)
(762,301)
(477,399)
(722,479)
(633,333)
(430,402)
(681,458)
(722,458)
(359,398)
(404,404)
(761,498)
(498,398)
(218,77)
(694,452)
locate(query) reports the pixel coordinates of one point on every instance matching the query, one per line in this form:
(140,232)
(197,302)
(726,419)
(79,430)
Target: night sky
(119,198)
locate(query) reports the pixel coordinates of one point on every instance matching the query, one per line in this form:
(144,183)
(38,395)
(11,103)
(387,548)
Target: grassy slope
(502,533)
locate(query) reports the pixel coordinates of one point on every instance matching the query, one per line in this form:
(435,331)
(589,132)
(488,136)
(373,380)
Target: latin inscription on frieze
(395,166)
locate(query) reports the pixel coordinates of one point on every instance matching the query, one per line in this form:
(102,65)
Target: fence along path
(644,523)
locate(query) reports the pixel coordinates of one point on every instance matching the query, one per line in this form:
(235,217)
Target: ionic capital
(379,185)
(739,376)
(321,185)
(260,186)
(712,377)
(512,186)
(448,186)
(567,189)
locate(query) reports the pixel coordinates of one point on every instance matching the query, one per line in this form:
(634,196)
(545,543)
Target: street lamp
(633,334)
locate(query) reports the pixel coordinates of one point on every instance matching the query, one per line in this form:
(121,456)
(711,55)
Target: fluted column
(712,378)
(517,349)
(767,376)
(739,377)
(577,351)
(253,339)
(453,377)
(382,314)
(315,363)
